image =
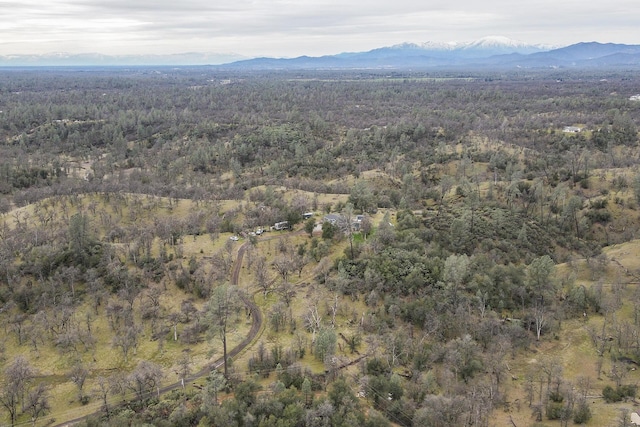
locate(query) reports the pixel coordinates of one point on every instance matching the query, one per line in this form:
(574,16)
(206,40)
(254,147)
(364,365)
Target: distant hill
(488,52)
(492,52)
(585,55)
(96,59)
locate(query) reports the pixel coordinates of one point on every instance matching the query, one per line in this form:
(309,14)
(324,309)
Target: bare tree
(286,291)
(101,391)
(278,317)
(323,269)
(262,275)
(127,340)
(221,263)
(300,343)
(283,264)
(618,372)
(37,402)
(300,260)
(174,319)
(36,334)
(78,376)
(14,387)
(541,317)
(624,419)
(552,369)
(188,310)
(440,411)
(313,320)
(184,366)
(18,326)
(95,288)
(145,379)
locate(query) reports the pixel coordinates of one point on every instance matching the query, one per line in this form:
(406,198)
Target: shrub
(582,413)
(599,203)
(554,410)
(600,215)
(628,390)
(611,395)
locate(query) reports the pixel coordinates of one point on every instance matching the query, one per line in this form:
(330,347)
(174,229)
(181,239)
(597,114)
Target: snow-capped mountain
(486,44)
(497,45)
(500,42)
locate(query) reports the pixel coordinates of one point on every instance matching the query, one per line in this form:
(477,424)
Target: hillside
(462,248)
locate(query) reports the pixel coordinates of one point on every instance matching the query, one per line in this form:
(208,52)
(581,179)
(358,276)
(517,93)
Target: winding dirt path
(256,325)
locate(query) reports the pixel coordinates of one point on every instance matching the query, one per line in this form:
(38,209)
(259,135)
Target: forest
(196,247)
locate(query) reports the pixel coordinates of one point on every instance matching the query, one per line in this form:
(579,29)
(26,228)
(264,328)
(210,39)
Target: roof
(333,218)
(572,129)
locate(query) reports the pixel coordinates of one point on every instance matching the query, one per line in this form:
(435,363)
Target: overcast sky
(288,28)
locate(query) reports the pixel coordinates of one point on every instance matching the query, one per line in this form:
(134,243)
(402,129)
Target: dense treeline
(181,128)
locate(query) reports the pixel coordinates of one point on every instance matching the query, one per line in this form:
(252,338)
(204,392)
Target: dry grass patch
(626,254)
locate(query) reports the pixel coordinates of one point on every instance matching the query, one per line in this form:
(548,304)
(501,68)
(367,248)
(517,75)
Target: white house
(572,129)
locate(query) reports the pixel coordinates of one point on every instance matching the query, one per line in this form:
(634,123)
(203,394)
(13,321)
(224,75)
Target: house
(572,129)
(635,419)
(283,225)
(340,221)
(357,222)
(333,219)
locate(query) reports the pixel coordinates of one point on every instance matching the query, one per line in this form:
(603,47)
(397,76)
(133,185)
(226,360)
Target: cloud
(289,28)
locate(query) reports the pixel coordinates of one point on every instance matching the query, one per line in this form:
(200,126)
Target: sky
(289,28)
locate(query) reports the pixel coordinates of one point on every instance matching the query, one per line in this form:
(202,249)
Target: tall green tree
(636,188)
(309,225)
(348,213)
(541,287)
(224,303)
(361,196)
(456,269)
(540,276)
(79,236)
(325,344)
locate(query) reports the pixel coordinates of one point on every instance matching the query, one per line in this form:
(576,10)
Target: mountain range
(488,52)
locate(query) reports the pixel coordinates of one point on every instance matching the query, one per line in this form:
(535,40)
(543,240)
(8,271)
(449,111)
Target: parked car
(234,238)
